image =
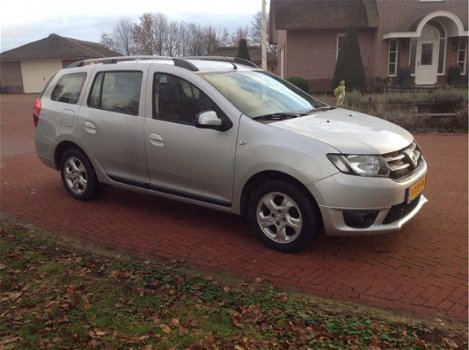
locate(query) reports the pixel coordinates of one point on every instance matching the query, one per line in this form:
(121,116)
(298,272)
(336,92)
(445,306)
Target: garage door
(37,73)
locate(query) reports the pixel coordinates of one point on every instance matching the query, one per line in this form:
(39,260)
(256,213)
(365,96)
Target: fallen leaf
(420,343)
(8,340)
(237,318)
(12,296)
(165,328)
(450,343)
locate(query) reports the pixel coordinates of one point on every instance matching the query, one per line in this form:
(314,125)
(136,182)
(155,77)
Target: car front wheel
(283,216)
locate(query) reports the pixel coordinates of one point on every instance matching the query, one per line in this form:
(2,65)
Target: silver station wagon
(221,133)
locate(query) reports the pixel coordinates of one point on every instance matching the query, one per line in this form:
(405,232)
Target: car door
(185,160)
(111,125)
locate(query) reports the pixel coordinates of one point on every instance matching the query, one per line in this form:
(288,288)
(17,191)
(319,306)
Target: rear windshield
(257,93)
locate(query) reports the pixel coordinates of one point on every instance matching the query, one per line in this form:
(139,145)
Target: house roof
(57,47)
(254,53)
(323,14)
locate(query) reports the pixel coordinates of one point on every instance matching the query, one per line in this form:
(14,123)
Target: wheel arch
(61,148)
(269,175)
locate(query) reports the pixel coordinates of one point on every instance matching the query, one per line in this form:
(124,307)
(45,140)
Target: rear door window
(116,91)
(68,88)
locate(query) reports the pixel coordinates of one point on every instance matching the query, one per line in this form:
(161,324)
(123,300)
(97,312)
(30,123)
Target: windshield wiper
(323,108)
(277,116)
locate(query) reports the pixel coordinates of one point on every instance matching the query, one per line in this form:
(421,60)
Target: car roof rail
(223,59)
(178,62)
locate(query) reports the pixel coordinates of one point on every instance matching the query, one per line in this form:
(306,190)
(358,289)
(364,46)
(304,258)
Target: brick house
(28,68)
(429,37)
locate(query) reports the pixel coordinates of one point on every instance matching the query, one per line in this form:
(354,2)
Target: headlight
(360,165)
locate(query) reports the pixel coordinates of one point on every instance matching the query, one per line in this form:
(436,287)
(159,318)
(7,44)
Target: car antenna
(228,59)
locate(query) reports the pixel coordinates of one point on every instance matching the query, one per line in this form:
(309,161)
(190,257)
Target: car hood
(350,132)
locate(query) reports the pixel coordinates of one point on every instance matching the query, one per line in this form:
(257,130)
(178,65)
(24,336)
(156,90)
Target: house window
(340,44)
(392,58)
(462,54)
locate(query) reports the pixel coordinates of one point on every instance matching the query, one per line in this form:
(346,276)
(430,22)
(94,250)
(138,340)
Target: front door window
(426,58)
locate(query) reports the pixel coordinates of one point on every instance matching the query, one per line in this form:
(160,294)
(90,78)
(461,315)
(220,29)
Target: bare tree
(143,35)
(154,34)
(123,38)
(212,39)
(196,40)
(256,29)
(159,33)
(240,33)
(107,41)
(173,40)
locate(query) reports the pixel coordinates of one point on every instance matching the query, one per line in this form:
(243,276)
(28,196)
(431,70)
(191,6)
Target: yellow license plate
(415,190)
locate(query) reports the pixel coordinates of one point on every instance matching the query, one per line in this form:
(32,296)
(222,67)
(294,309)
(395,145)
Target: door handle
(156,140)
(90,128)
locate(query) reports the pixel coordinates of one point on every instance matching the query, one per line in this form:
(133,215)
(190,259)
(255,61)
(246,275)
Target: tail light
(36,111)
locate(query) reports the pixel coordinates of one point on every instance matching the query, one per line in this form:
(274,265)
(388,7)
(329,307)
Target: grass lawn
(55,294)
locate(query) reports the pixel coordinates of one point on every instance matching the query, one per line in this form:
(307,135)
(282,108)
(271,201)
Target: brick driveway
(422,269)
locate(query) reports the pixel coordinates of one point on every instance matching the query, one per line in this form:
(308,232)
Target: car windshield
(259,93)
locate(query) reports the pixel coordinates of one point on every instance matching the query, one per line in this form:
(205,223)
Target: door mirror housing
(210,120)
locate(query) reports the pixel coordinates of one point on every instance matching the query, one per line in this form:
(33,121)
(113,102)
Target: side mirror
(210,120)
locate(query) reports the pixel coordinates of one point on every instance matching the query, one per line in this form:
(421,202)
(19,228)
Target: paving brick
(422,269)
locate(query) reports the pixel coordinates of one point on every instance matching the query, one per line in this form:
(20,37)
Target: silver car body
(212,168)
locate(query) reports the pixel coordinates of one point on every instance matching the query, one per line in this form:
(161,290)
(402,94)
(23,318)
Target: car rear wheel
(78,175)
(283,216)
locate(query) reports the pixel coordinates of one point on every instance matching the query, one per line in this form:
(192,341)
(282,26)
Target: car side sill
(165,190)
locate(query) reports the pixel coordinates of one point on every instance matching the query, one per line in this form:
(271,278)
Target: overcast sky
(24,21)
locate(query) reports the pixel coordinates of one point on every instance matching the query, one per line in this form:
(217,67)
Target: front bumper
(384,199)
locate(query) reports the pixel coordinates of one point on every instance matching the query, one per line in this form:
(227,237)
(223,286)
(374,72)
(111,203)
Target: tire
(282,216)
(78,175)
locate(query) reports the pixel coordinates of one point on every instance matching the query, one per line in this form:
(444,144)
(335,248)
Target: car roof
(195,64)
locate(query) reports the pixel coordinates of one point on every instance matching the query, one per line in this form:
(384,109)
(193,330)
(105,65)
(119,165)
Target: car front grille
(400,211)
(405,162)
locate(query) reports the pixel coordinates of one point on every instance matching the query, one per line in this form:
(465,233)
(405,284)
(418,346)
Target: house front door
(427,62)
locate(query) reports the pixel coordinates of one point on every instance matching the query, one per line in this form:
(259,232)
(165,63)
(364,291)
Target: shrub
(404,108)
(404,77)
(454,75)
(300,83)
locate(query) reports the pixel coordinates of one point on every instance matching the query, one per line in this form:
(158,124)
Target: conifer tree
(243,50)
(349,66)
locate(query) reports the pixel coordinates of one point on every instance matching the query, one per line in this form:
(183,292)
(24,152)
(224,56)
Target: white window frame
(389,57)
(339,36)
(462,40)
(410,54)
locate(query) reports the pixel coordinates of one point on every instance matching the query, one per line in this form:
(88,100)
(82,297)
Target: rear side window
(68,88)
(116,91)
